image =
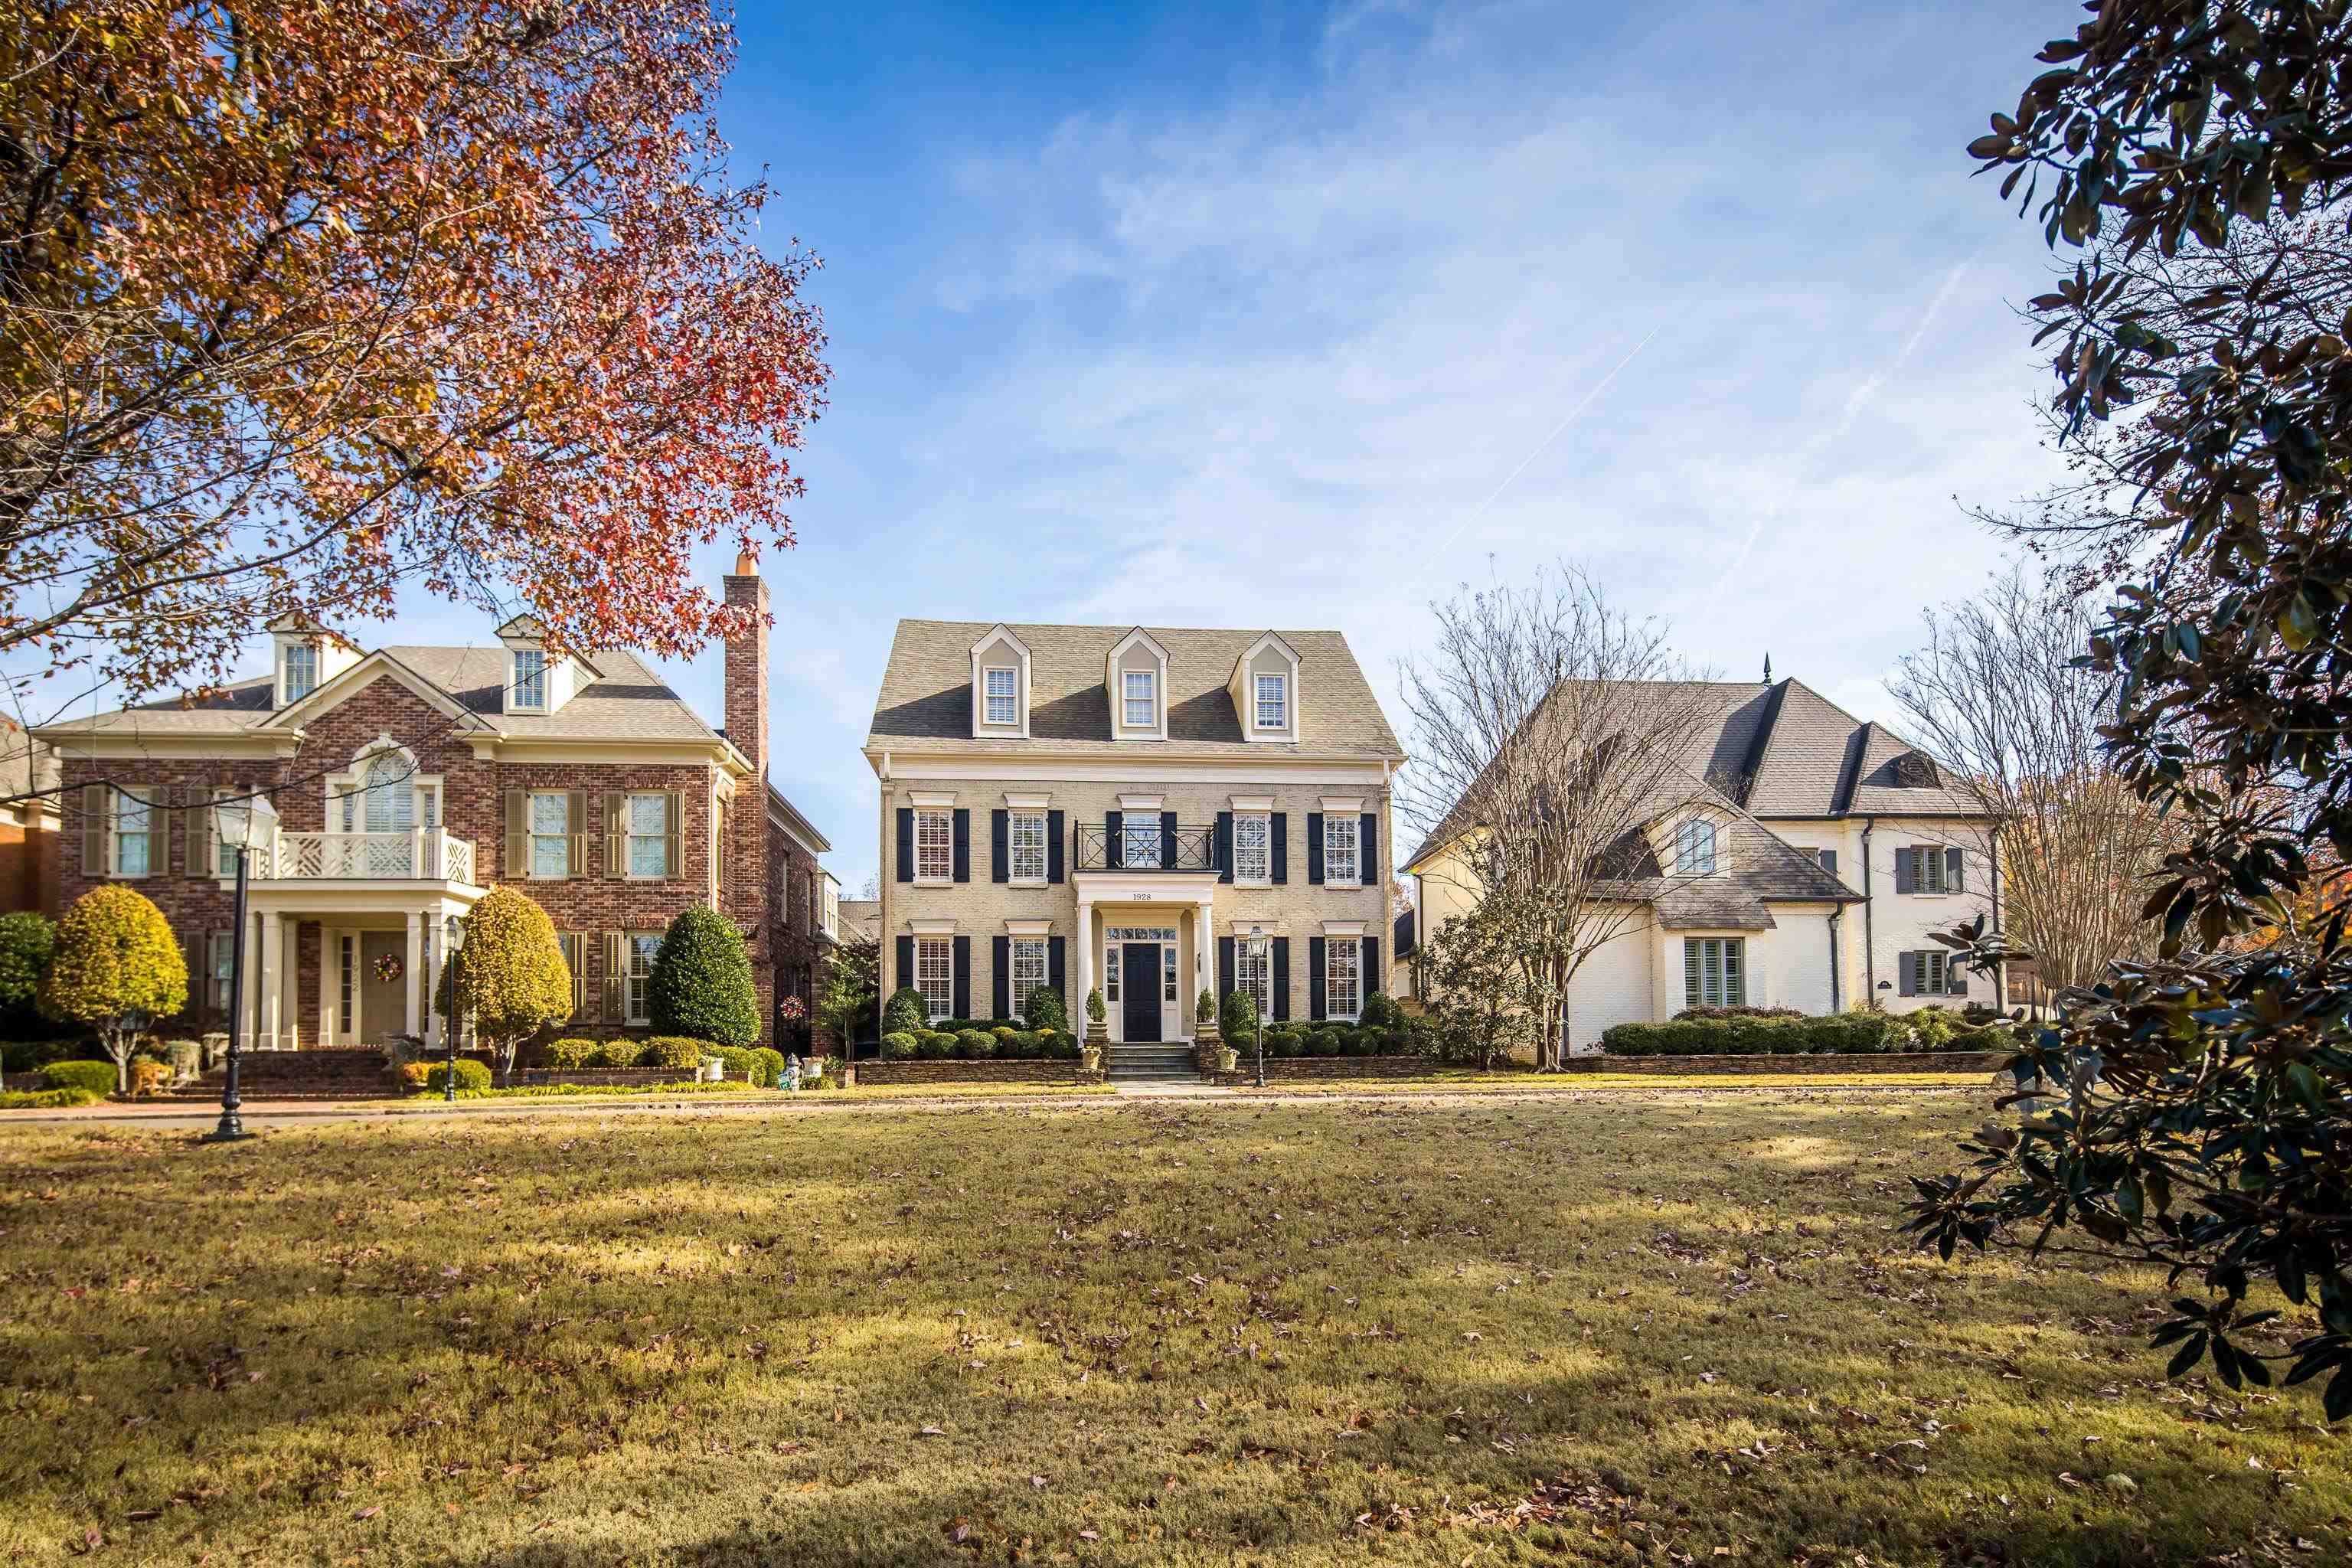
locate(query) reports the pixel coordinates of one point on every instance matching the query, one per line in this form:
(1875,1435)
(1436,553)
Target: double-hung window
(301,670)
(1253,974)
(638,950)
(131,836)
(935,975)
(550,834)
(1927,868)
(1002,695)
(1713,972)
(530,681)
(1252,848)
(1025,843)
(1137,700)
(1139,843)
(1273,702)
(1028,971)
(1339,866)
(649,829)
(1932,973)
(1694,848)
(1343,978)
(934,849)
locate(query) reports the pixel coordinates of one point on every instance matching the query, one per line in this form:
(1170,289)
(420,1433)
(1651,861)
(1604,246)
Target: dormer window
(1139,708)
(1004,695)
(1694,848)
(1273,702)
(301,676)
(528,692)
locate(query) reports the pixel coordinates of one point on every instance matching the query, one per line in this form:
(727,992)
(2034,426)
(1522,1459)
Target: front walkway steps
(1150,1062)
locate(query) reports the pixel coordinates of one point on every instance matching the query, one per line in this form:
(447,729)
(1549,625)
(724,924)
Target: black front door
(1138,988)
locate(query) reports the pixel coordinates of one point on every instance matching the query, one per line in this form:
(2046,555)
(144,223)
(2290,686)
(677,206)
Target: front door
(1139,990)
(384,1003)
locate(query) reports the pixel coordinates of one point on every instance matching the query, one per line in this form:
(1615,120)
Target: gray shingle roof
(926,692)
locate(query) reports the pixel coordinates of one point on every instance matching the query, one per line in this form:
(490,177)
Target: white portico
(1123,913)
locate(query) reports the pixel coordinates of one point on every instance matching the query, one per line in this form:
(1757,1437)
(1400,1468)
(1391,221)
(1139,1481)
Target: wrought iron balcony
(1144,845)
(420,854)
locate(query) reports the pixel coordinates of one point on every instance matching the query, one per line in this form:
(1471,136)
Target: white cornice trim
(1239,771)
(1027,802)
(1028,928)
(85,747)
(348,682)
(1343,803)
(931,798)
(931,927)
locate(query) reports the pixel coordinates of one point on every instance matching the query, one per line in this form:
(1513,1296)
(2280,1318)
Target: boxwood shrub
(620,1052)
(571,1055)
(934,1046)
(898,1046)
(773,1061)
(471,1074)
(974,1045)
(96,1078)
(1840,1033)
(672,1051)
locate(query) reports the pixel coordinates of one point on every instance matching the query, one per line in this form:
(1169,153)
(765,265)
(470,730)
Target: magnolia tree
(1473,980)
(309,301)
(1552,735)
(510,975)
(701,983)
(116,968)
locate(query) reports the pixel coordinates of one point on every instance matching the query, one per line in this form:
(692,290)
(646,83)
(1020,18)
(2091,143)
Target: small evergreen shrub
(1380,1011)
(934,1046)
(571,1055)
(1004,1031)
(1737,1012)
(1096,1011)
(905,1014)
(671,1051)
(975,1045)
(1045,1011)
(771,1066)
(898,1046)
(701,983)
(471,1074)
(98,1078)
(1238,1020)
(1858,1034)
(47,1098)
(621,1052)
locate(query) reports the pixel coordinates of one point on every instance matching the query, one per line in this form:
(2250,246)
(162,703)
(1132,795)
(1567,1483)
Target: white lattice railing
(420,854)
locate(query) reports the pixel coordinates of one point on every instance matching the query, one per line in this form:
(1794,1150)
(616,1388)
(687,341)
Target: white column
(248,1020)
(413,971)
(273,981)
(1086,945)
(1204,954)
(437,937)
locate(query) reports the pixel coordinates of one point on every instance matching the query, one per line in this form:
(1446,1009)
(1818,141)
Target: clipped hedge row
(93,1077)
(471,1075)
(1004,1043)
(47,1098)
(1407,1039)
(1852,1034)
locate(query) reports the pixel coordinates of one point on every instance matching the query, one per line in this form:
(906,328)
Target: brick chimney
(744,892)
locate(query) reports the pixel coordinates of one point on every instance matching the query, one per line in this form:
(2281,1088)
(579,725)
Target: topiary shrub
(1045,1010)
(98,1077)
(1237,1018)
(510,974)
(935,1044)
(898,1046)
(904,1013)
(974,1045)
(571,1055)
(671,1051)
(116,968)
(702,981)
(471,1074)
(771,1064)
(621,1052)
(1380,1011)
(1096,1011)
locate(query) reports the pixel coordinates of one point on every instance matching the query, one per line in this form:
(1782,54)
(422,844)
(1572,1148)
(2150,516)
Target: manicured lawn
(1634,1328)
(1469,1080)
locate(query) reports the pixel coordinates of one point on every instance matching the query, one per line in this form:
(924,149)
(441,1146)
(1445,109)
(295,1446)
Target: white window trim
(945,957)
(1014,818)
(1692,825)
(1261,984)
(1333,946)
(430,794)
(1731,948)
(630,989)
(1012,699)
(1257,703)
(1941,963)
(286,695)
(1017,990)
(155,831)
(945,876)
(1264,819)
(1126,699)
(515,702)
(629,835)
(531,835)
(1923,856)
(1331,821)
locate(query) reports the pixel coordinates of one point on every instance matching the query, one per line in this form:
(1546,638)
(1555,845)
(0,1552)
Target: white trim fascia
(931,799)
(1341,805)
(931,927)
(1129,768)
(1251,803)
(1269,928)
(356,677)
(1344,927)
(1028,928)
(1027,802)
(1140,802)
(1099,888)
(594,749)
(81,745)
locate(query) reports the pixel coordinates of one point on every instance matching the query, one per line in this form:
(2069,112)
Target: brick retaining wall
(1327,1066)
(1833,1063)
(606,1078)
(1067,1072)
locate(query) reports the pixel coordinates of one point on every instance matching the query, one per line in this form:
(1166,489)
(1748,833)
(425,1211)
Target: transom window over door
(1253,839)
(1136,693)
(935,975)
(1343,977)
(1028,971)
(1714,973)
(1340,847)
(550,834)
(1003,696)
(649,830)
(934,847)
(1025,833)
(1273,702)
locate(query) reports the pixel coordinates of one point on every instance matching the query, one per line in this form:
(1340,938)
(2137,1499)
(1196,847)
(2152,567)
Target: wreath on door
(388,967)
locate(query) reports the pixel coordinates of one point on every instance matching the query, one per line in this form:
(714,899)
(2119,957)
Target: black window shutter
(962,973)
(1315,854)
(1829,861)
(1224,846)
(1368,860)
(1054,831)
(1000,850)
(1168,839)
(1279,831)
(1907,974)
(906,844)
(906,964)
(962,854)
(1000,957)
(1954,863)
(1901,868)
(1282,980)
(1114,840)
(1371,964)
(1055,947)
(1225,968)
(1315,978)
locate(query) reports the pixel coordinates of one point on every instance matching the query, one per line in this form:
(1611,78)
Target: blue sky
(1246,315)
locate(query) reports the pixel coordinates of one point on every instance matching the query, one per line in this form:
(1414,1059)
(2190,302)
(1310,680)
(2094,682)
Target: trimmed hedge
(904,1013)
(471,1075)
(1860,1034)
(96,1077)
(898,1046)
(1007,1044)
(671,1051)
(47,1098)
(1410,1038)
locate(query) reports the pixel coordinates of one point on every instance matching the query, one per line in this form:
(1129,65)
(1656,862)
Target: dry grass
(1468,1080)
(1637,1328)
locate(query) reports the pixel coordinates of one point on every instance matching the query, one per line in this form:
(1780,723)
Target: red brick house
(407,780)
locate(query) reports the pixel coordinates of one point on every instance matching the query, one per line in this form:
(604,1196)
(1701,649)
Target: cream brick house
(1833,849)
(1118,808)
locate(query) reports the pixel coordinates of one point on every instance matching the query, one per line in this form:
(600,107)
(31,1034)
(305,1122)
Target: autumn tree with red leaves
(309,299)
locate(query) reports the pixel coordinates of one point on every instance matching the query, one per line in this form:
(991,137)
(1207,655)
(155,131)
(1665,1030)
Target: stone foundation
(1061,1072)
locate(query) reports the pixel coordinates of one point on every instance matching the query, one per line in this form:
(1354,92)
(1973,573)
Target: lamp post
(244,826)
(1257,957)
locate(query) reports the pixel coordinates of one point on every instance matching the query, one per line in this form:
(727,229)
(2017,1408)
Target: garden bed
(1826,1064)
(958,1072)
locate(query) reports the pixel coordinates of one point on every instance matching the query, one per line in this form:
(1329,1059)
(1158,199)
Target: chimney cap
(746,564)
